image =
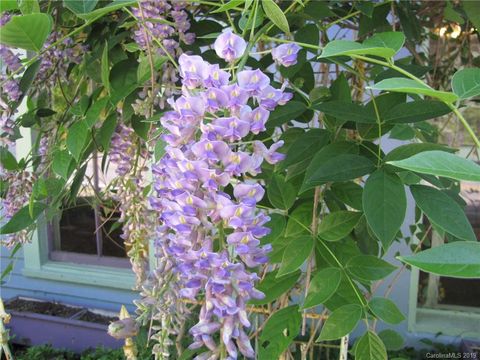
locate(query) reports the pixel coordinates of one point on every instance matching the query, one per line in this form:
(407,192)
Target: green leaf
(93,113)
(279,331)
(141,127)
(277,226)
(6,5)
(408,150)
(441,163)
(308,34)
(370,347)
(273,287)
(416,111)
(282,114)
(276,15)
(23,218)
(391,40)
(317,10)
(27,32)
(76,138)
(324,155)
(352,48)
(299,220)
(305,146)
(61,163)
(451,15)
(386,310)
(466,83)
(144,70)
(7,159)
(368,267)
(278,248)
(228,6)
(472,9)
(365,7)
(159,150)
(281,194)
(105,68)
(443,211)
(341,322)
(392,340)
(458,259)
(341,89)
(350,193)
(322,287)
(296,253)
(28,78)
(336,225)
(346,111)
(80,6)
(29,6)
(339,168)
(123,79)
(114,5)
(385,205)
(8,269)
(410,86)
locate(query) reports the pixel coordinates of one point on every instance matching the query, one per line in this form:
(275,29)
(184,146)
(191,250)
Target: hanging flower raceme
(162,27)
(16,196)
(206,198)
(57,55)
(166,21)
(11,87)
(128,155)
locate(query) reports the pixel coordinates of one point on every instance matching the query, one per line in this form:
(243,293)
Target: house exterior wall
(92,296)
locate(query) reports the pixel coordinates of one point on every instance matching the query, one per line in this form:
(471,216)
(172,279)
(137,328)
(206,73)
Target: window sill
(84,274)
(447,322)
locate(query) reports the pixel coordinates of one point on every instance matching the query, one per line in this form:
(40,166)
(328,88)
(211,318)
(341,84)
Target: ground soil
(40,307)
(56,309)
(96,318)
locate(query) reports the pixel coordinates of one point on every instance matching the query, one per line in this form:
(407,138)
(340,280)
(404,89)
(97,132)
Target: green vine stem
(455,110)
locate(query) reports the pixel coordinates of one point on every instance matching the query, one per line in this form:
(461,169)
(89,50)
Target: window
(435,300)
(88,231)
(452,293)
(51,256)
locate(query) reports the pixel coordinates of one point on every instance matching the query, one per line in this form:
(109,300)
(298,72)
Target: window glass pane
(446,292)
(90,225)
(77,229)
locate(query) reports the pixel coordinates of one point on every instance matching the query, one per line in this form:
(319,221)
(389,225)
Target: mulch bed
(41,307)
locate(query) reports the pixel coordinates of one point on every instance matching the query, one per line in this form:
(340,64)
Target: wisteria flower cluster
(134,214)
(206,197)
(163,27)
(17,194)
(56,59)
(11,88)
(155,16)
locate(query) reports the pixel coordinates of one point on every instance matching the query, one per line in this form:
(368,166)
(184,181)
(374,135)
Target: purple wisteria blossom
(56,60)
(229,46)
(128,154)
(163,20)
(163,26)
(20,184)
(211,236)
(286,54)
(11,87)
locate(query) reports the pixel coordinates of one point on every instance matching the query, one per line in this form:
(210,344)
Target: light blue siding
(17,284)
